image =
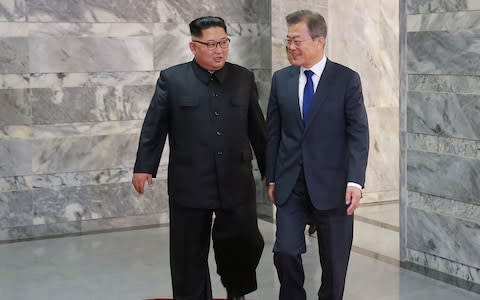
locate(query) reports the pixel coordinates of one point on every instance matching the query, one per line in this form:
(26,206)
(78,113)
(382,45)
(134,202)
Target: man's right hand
(271,192)
(138,181)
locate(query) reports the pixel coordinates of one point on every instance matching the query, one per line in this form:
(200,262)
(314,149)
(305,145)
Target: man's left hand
(352,199)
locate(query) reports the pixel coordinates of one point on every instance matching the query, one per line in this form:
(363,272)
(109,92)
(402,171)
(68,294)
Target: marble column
(440,129)
(76,77)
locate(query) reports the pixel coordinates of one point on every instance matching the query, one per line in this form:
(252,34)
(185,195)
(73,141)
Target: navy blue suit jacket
(332,147)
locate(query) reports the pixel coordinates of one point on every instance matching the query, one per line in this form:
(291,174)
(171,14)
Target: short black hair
(199,24)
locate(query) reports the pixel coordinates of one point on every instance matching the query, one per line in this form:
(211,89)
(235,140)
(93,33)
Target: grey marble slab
(90,104)
(16,209)
(446,266)
(14,55)
(87,153)
(422,142)
(16,107)
(171,45)
(233,11)
(90,54)
(89,29)
(447,237)
(14,81)
(444,114)
(15,184)
(15,157)
(90,11)
(81,203)
(433,6)
(13,10)
(444,84)
(110,79)
(106,176)
(444,53)
(446,176)
(86,129)
(444,22)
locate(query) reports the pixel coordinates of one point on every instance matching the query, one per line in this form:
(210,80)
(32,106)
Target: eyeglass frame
(296,43)
(212,45)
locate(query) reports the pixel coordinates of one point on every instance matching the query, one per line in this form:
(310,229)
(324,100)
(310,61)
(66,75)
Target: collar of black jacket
(205,76)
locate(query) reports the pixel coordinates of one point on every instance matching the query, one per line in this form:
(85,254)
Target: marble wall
(76,77)
(440,136)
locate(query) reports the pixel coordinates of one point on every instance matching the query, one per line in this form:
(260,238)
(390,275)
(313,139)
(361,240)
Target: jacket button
(219,133)
(219,153)
(217,113)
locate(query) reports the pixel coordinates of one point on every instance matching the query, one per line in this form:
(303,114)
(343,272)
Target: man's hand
(352,198)
(271,192)
(138,181)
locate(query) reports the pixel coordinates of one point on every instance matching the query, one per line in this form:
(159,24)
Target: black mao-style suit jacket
(211,120)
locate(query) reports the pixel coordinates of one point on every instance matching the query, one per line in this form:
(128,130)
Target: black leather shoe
(311,229)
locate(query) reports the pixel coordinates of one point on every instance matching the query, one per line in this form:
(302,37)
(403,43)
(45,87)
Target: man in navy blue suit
(317,150)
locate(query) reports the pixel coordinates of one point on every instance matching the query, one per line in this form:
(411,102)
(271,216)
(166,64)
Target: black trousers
(335,235)
(237,244)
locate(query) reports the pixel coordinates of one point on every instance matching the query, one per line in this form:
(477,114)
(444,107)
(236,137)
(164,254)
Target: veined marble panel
(462,271)
(107,176)
(89,29)
(86,129)
(171,45)
(16,157)
(241,51)
(444,22)
(96,202)
(66,54)
(444,53)
(383,169)
(72,154)
(233,11)
(12,29)
(364,36)
(13,10)
(444,84)
(114,79)
(88,104)
(15,184)
(90,11)
(426,173)
(422,142)
(14,81)
(16,209)
(125,222)
(18,132)
(16,107)
(14,55)
(443,236)
(448,115)
(444,206)
(433,6)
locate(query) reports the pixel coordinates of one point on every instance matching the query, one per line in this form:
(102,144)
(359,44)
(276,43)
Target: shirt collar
(205,76)
(316,68)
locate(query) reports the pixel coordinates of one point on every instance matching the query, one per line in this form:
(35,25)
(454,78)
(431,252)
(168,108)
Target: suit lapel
(323,88)
(292,89)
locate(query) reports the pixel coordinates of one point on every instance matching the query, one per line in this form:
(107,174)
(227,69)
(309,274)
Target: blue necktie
(307,95)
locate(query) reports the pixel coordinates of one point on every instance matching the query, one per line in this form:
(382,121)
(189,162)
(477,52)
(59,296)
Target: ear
(192,48)
(321,41)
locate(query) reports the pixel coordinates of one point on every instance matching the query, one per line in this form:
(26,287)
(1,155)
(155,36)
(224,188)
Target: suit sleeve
(256,127)
(154,131)
(273,131)
(357,131)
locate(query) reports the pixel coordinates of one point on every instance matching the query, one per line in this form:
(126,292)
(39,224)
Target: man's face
(210,59)
(302,50)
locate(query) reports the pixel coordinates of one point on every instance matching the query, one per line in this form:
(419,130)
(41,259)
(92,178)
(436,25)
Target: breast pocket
(188,102)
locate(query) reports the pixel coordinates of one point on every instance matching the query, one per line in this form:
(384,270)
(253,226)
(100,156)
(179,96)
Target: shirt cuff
(353,184)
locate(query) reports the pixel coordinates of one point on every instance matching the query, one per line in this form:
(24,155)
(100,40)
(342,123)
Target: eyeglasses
(212,45)
(294,43)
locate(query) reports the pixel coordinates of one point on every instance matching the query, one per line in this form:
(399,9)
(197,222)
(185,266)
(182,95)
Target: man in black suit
(209,109)
(317,150)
